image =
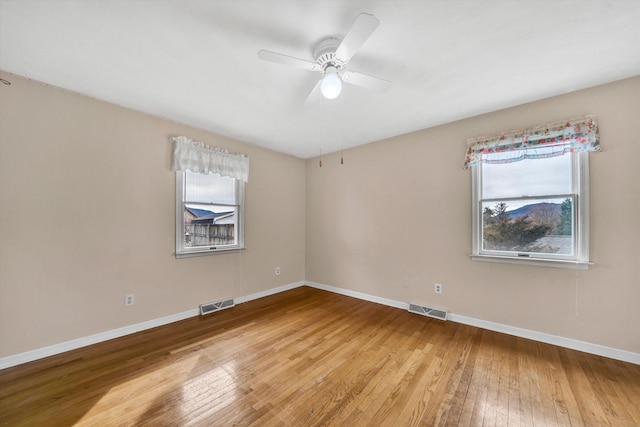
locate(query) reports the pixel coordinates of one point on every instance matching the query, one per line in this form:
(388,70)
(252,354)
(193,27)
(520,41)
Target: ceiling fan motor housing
(325,54)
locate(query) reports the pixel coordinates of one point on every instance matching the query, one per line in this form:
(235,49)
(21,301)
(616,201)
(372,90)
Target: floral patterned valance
(549,140)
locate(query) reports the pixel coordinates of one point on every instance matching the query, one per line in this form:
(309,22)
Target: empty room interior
(279,212)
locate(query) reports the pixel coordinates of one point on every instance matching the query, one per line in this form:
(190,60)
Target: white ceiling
(195,61)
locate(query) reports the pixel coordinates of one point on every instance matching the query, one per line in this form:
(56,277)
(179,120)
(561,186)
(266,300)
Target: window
(530,195)
(209,198)
(209,212)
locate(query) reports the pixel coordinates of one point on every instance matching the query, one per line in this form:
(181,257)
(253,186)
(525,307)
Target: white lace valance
(194,156)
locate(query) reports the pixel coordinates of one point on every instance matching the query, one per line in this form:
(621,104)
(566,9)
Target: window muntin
(533,209)
(209,213)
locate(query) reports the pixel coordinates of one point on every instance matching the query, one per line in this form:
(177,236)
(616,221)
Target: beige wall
(87,215)
(395,219)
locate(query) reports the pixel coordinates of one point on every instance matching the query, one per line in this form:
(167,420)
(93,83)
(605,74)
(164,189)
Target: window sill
(539,262)
(209,252)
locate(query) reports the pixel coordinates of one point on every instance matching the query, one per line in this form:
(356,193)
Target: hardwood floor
(307,357)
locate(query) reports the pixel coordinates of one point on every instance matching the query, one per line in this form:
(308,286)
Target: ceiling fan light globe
(331,86)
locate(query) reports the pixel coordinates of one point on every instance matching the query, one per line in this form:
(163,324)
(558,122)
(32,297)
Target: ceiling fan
(331,58)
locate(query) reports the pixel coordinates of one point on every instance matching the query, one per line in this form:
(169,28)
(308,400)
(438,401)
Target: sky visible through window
(531,177)
(210,188)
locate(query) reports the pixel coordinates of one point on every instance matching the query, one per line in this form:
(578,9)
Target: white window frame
(580,194)
(181,250)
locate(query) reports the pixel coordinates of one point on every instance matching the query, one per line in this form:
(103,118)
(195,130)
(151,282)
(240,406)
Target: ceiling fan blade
(358,34)
(366,81)
(279,58)
(315,95)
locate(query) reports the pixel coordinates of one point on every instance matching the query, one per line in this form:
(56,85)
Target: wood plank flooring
(307,357)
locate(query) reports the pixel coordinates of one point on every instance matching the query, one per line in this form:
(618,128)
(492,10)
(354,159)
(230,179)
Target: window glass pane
(531,177)
(540,226)
(209,225)
(209,212)
(209,188)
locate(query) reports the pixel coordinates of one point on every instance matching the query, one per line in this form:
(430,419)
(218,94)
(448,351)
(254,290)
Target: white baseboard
(360,295)
(240,300)
(29,356)
(40,353)
(600,350)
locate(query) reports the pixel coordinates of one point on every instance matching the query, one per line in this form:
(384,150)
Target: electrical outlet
(438,288)
(277,271)
(129,299)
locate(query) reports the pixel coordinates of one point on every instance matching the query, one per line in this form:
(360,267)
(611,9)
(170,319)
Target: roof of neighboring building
(198,212)
(203,216)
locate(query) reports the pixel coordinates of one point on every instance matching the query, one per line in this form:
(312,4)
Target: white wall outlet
(438,288)
(277,271)
(129,299)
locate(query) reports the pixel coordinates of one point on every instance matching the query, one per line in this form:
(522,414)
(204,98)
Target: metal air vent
(426,311)
(216,306)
